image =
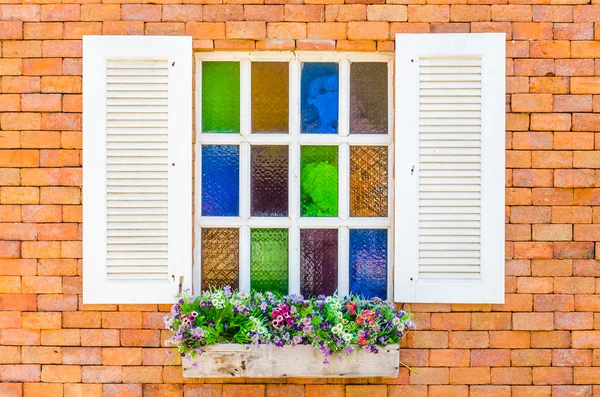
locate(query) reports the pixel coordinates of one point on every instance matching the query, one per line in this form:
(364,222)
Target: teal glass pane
(319,181)
(269,260)
(221,97)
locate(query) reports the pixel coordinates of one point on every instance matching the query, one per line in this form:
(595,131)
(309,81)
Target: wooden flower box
(231,360)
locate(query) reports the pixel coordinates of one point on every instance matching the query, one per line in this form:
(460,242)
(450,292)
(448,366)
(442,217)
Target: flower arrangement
(330,324)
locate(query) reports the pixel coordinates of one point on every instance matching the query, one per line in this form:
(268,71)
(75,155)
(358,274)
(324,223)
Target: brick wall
(544,341)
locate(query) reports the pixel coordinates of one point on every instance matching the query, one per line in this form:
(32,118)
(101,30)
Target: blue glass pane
(368,262)
(319,90)
(220,180)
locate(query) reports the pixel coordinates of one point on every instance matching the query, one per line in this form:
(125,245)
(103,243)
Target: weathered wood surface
(230,360)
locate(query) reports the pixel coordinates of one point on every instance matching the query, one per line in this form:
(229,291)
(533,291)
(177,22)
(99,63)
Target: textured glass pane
(319,91)
(220,258)
(368,181)
(220,96)
(319,181)
(269,260)
(368,98)
(368,262)
(269,180)
(318,261)
(220,180)
(270,93)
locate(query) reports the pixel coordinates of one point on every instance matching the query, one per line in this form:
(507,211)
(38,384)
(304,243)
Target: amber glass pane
(368,181)
(368,98)
(220,258)
(269,260)
(318,261)
(269,181)
(319,181)
(270,92)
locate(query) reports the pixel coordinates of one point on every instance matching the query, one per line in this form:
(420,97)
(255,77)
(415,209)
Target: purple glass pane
(318,261)
(269,183)
(368,98)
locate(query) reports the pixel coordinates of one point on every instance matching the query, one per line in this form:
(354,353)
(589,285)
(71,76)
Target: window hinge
(180,284)
(412,170)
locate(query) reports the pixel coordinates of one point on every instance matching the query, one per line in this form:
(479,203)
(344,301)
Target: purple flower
(227,290)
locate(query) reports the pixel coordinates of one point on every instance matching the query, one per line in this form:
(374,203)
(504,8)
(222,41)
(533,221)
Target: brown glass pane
(368,181)
(318,261)
(220,258)
(368,98)
(269,183)
(270,87)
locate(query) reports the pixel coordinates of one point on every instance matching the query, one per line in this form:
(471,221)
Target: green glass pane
(269,260)
(319,181)
(220,96)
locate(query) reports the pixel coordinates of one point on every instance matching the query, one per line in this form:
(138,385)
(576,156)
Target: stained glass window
(293,172)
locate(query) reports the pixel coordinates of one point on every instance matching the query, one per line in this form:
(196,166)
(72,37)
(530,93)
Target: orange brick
(429,13)
(9,249)
(20,12)
(468,340)
(551,159)
(41,320)
(391,13)
(61,373)
(135,374)
(532,178)
(45,30)
(552,267)
(245,30)
(469,375)
(11,30)
(574,250)
(20,84)
(509,340)
(57,302)
(20,121)
(585,376)
(532,102)
(41,355)
(61,337)
(210,30)
(76,30)
(60,195)
(139,12)
(554,232)
(327,30)
(573,31)
(585,49)
(19,195)
(511,376)
(430,376)
(84,320)
(304,13)
(490,358)
(552,196)
(10,213)
(123,28)
(223,12)
(10,284)
(571,358)
(40,249)
(286,30)
(62,48)
(36,389)
(470,13)
(60,12)
(345,12)
(192,12)
(511,13)
(532,31)
(11,67)
(140,338)
(368,30)
(100,12)
(79,390)
(116,390)
(122,356)
(553,13)
(533,67)
(450,321)
(490,321)
(449,358)
(357,45)
(554,303)
(534,285)
(574,67)
(10,102)
(101,374)
(550,376)
(42,66)
(550,49)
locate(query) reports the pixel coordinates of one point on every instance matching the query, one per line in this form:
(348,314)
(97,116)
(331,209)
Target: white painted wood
(232,361)
(137,104)
(295,140)
(450,168)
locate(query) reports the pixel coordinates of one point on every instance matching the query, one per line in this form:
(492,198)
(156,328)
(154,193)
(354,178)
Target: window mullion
(294,178)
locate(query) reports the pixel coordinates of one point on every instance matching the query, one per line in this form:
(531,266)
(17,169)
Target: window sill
(236,361)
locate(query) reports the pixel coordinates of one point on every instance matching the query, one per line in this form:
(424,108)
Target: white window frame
(343,140)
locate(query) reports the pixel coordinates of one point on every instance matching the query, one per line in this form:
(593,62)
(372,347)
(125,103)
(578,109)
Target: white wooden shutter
(449,168)
(137,168)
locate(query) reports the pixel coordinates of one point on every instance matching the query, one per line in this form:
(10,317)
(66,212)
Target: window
(294,187)
(308,176)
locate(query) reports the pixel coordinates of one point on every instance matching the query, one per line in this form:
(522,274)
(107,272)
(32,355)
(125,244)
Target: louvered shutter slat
(450,168)
(137,173)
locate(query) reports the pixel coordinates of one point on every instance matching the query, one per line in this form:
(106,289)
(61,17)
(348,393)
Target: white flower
(347,337)
(337,329)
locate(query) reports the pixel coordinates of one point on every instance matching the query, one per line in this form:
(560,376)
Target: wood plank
(230,360)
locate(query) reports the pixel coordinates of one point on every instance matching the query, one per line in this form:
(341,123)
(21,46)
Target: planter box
(230,360)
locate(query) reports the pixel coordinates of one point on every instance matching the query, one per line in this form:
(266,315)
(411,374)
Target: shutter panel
(137,172)
(450,113)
